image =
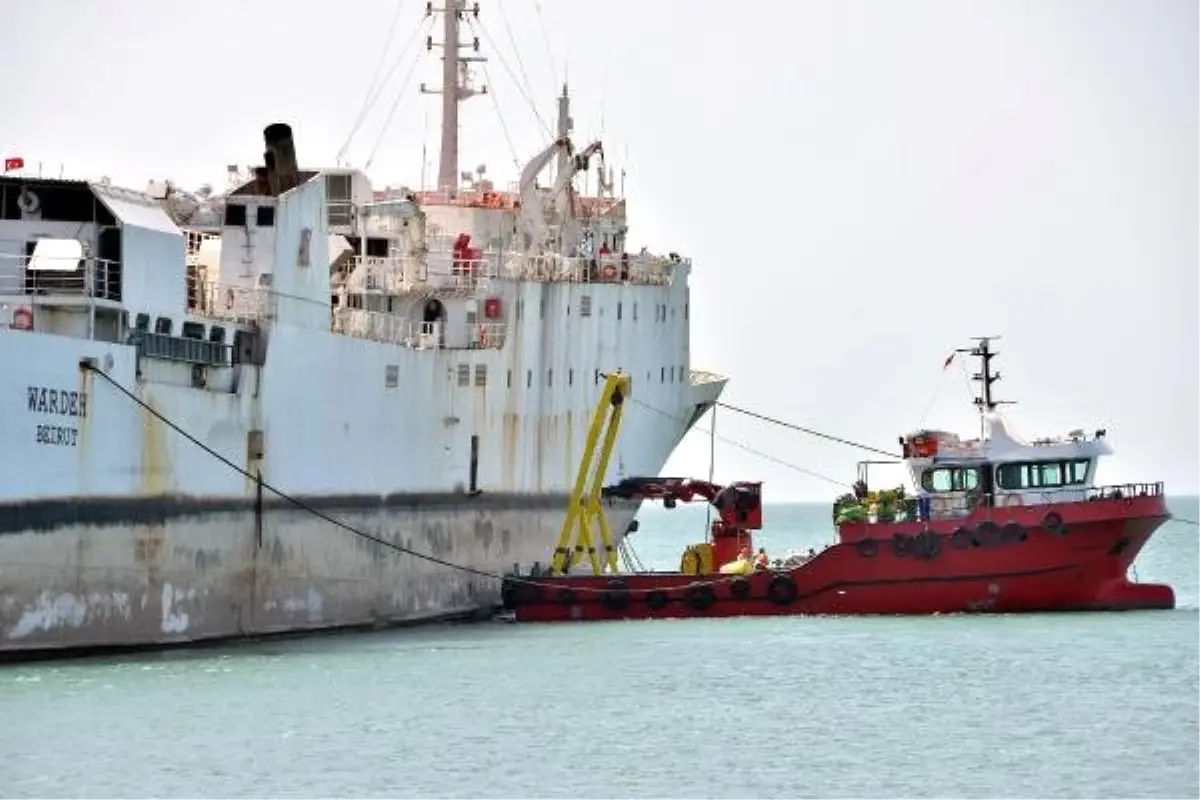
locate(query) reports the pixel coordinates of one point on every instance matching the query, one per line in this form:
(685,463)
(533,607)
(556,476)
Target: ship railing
(442,271)
(376,326)
(488,335)
(229,302)
(1085,494)
(609,268)
(384,274)
(54,281)
(963,505)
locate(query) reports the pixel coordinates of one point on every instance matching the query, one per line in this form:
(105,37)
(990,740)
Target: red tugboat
(999,525)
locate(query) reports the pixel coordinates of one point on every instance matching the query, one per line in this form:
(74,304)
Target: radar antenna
(985,378)
(456,82)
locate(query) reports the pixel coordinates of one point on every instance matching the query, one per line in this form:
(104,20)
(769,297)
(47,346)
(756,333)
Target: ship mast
(985,401)
(456,82)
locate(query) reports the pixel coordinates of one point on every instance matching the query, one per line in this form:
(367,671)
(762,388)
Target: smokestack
(261,184)
(280,157)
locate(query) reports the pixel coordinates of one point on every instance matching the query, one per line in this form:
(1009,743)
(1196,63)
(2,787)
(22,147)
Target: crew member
(761,562)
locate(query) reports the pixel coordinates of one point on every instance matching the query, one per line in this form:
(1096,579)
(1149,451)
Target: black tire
(987,533)
(782,590)
(867,548)
(1012,533)
(616,597)
(739,588)
(700,596)
(566,596)
(961,539)
(901,544)
(1053,523)
(927,545)
(656,599)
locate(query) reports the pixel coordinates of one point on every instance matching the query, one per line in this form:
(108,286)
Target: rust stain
(155,464)
(508,454)
(147,548)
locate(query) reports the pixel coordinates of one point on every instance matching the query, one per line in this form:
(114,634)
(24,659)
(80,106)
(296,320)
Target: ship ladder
(583,507)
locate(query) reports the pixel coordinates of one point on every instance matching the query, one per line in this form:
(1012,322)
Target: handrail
(95,278)
(230,302)
(958,504)
(443,268)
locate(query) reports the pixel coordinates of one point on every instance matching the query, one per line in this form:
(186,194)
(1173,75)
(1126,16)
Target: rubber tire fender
(782,590)
(987,533)
(700,596)
(656,599)
(1012,533)
(739,588)
(616,596)
(867,548)
(1053,523)
(960,539)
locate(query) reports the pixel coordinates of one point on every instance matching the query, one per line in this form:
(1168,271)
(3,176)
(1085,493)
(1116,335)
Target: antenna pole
(456,83)
(985,378)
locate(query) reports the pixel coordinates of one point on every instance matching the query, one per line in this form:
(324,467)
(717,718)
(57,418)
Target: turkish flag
(14,163)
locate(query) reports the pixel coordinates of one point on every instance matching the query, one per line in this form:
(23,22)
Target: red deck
(1014,559)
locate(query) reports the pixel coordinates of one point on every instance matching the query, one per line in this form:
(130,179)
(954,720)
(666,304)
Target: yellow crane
(583,508)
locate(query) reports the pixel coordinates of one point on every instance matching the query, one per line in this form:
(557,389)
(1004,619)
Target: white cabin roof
(1001,444)
(135,208)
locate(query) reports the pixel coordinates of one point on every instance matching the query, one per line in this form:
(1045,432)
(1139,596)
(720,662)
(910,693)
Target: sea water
(1056,705)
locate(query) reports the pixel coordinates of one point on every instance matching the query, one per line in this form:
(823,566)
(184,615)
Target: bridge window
(1042,474)
(265,216)
(950,479)
(235,214)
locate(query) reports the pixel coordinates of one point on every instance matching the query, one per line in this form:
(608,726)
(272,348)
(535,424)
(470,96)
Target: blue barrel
(924,504)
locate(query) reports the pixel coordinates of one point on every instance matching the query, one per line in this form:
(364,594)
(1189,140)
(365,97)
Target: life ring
(608,272)
(700,596)
(28,202)
(656,599)
(616,597)
(739,588)
(229,299)
(22,319)
(1053,523)
(1011,499)
(1012,532)
(566,596)
(961,539)
(987,533)
(867,548)
(901,544)
(782,590)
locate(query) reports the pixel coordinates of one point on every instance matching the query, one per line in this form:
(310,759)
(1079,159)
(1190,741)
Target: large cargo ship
(417,365)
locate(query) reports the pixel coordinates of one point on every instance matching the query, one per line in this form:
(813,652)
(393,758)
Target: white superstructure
(421,366)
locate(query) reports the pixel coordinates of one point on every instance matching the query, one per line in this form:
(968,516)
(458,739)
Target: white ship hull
(116,530)
(216,576)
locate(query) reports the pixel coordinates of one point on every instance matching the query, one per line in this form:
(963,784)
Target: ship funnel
(280,158)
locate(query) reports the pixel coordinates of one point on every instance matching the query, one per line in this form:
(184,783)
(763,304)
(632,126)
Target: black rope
(809,431)
(740,446)
(300,504)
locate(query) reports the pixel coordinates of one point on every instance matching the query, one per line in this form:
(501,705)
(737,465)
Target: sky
(862,186)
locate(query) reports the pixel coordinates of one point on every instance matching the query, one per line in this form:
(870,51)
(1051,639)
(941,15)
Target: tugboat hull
(1068,557)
